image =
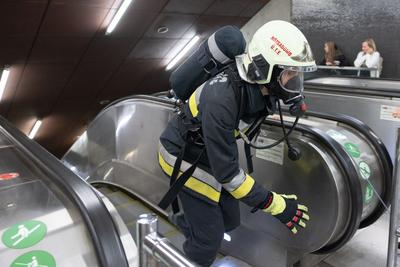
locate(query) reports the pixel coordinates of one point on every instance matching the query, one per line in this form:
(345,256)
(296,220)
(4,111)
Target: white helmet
(278,52)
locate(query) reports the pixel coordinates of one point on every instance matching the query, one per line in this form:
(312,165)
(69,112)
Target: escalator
(376,102)
(130,209)
(51,217)
(344,176)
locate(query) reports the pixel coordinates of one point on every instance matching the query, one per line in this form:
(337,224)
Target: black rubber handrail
(311,86)
(383,156)
(100,225)
(356,78)
(316,88)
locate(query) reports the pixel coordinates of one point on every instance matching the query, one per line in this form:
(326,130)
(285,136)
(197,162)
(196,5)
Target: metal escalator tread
(229,261)
(105,190)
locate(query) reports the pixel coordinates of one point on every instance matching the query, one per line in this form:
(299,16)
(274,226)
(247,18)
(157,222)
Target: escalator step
(229,261)
(131,211)
(105,190)
(118,198)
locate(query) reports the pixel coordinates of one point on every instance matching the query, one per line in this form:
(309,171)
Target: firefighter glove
(286,209)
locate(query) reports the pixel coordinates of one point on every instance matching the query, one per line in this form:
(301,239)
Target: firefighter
(206,131)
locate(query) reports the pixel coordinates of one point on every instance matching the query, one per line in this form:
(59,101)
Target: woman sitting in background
(333,56)
(369,57)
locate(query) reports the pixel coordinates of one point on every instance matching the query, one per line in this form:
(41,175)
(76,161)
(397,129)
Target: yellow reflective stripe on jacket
(244,188)
(193,104)
(194,100)
(192,183)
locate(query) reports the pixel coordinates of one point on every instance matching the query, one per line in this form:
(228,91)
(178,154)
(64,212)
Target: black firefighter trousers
(204,225)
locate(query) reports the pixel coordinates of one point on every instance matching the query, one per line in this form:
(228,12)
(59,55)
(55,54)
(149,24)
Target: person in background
(369,57)
(333,56)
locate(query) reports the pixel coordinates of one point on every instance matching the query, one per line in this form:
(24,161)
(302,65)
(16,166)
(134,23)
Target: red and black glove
(286,209)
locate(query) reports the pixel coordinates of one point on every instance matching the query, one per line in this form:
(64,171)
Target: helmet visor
(291,81)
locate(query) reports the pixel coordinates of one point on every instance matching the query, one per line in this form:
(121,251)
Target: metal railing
(394,229)
(349,68)
(153,248)
(323,67)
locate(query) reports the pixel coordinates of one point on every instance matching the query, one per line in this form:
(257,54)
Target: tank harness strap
(174,203)
(239,87)
(170,198)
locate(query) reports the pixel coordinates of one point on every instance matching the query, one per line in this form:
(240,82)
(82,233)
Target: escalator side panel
(66,238)
(86,211)
(366,109)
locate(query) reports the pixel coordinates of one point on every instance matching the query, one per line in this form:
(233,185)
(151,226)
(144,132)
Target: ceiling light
(3,81)
(162,29)
(183,52)
(35,129)
(121,11)
(79,136)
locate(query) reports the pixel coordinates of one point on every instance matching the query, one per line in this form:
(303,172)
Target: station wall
(275,9)
(348,23)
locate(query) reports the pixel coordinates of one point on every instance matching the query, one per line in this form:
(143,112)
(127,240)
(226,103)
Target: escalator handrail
(352,179)
(323,88)
(318,87)
(380,148)
(358,78)
(101,228)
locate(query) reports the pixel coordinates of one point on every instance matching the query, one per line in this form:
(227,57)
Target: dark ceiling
(64,67)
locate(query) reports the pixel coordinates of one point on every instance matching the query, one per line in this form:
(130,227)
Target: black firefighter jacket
(215,108)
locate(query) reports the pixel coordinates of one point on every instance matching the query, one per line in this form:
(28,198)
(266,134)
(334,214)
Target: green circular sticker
(352,149)
(37,258)
(24,234)
(369,193)
(365,170)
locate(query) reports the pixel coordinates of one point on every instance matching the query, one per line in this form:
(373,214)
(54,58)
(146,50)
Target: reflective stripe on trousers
(204,183)
(200,182)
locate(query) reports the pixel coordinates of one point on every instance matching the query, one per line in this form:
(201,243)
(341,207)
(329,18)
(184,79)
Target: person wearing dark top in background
(333,56)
